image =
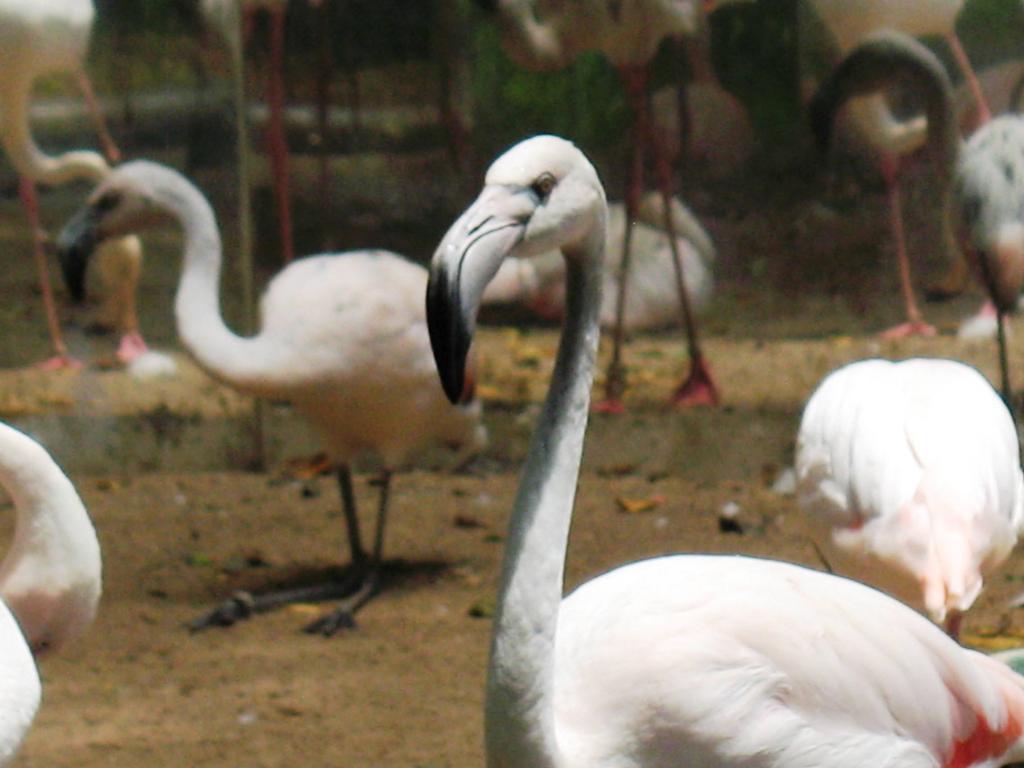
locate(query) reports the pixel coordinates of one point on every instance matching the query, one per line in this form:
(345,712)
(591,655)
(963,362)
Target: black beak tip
(449,338)
(73,262)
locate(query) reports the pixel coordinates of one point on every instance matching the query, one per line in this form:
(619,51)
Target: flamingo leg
(1004,363)
(61,358)
(277,145)
(360,583)
(698,388)
(635,79)
(110,150)
(915,324)
(343,615)
(984,113)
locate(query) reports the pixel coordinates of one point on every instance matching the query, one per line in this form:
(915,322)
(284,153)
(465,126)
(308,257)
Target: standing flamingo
(550,35)
(539,283)
(853,22)
(343,337)
(987,173)
(50,579)
(912,471)
(37,38)
(697,660)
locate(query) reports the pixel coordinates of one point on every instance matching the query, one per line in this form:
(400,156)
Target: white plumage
(342,337)
(50,579)
(652,300)
(687,660)
(912,471)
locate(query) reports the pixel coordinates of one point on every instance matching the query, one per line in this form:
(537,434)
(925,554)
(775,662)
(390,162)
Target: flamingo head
(126,201)
(542,194)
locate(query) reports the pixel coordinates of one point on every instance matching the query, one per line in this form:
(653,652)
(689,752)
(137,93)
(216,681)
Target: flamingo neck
(230,358)
(519,713)
(26,157)
(53,534)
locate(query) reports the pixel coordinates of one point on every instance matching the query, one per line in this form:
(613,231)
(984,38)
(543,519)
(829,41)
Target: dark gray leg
(343,616)
(242,604)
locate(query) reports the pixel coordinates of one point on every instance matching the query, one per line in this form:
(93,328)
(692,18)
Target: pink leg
(915,325)
(113,154)
(615,380)
(61,359)
(698,388)
(276,144)
(131,347)
(984,113)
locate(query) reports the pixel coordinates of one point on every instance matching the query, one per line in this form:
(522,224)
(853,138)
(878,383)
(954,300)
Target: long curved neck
(52,525)
(26,157)
(519,727)
(237,361)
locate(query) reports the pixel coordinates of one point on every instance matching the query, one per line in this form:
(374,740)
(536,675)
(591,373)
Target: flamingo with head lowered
(37,38)
(343,338)
(50,578)
(982,178)
(686,660)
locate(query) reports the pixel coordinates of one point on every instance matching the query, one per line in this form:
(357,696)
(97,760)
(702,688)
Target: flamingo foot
(909,328)
(698,389)
(343,616)
(610,405)
(132,346)
(63,362)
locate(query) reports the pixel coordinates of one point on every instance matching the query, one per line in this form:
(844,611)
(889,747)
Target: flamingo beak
(467,258)
(75,245)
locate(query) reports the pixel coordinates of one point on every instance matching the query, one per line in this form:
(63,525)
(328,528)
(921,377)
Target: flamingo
(912,472)
(50,578)
(986,172)
(539,283)
(35,39)
(545,36)
(716,661)
(343,337)
(851,23)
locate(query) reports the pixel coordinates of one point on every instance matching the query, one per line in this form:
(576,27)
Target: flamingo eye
(543,185)
(107,202)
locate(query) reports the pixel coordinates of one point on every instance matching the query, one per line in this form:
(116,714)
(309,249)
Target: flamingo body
(912,471)
(20,688)
(686,660)
(652,299)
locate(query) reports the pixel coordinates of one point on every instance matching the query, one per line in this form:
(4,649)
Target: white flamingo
(911,471)
(539,283)
(50,579)
(853,21)
(986,175)
(550,35)
(343,337)
(698,660)
(38,38)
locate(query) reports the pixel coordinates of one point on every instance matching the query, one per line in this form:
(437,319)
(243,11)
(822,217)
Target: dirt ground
(803,289)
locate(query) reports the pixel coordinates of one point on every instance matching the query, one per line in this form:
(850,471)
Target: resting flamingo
(911,472)
(547,36)
(719,661)
(50,578)
(539,283)
(853,22)
(986,173)
(343,337)
(35,39)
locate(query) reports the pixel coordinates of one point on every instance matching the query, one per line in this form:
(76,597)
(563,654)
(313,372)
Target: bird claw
(331,623)
(60,363)
(239,606)
(610,405)
(909,328)
(132,346)
(698,389)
